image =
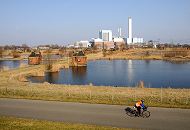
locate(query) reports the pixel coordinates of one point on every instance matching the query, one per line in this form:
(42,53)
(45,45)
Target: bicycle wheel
(145,114)
(129,113)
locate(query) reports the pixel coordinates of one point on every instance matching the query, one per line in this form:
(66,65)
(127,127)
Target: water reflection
(178,62)
(37,79)
(11,64)
(1,65)
(79,73)
(147,62)
(16,64)
(51,77)
(130,71)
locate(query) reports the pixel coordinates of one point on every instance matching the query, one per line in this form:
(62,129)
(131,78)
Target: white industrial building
(97,40)
(119,42)
(137,40)
(105,35)
(118,39)
(130,40)
(82,44)
(100,44)
(70,46)
(107,41)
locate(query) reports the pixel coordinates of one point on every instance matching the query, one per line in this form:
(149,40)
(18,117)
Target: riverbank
(14,85)
(13,59)
(13,123)
(169,54)
(140,54)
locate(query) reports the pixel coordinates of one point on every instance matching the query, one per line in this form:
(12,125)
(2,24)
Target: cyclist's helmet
(142,101)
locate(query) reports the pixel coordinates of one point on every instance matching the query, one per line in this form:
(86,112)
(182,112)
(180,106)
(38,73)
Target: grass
(12,123)
(98,95)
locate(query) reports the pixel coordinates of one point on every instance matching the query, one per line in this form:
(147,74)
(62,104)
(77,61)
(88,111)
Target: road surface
(96,114)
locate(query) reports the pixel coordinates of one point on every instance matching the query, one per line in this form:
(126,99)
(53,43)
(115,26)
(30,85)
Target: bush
(15,54)
(176,53)
(1,52)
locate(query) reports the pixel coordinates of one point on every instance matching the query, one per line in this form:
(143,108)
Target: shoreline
(141,58)
(13,59)
(100,58)
(110,58)
(140,54)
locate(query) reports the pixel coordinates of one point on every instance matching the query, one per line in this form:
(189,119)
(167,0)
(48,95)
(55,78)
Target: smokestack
(130,30)
(119,31)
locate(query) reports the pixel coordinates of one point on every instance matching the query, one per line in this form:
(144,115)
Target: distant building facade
(100,44)
(80,44)
(138,40)
(97,43)
(84,44)
(105,35)
(119,42)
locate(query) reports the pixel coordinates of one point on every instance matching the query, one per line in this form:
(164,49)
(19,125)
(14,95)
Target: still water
(123,73)
(11,64)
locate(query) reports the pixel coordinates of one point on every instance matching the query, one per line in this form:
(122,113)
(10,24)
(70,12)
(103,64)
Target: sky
(63,22)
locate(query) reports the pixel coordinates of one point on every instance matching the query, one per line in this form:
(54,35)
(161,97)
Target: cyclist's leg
(136,114)
(139,110)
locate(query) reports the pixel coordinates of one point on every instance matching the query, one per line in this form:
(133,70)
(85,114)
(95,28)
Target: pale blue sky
(66,21)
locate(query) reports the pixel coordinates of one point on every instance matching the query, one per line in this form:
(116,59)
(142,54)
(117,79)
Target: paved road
(106,115)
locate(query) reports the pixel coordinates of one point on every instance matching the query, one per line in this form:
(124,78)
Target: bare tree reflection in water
(1,65)
(147,62)
(52,77)
(37,79)
(79,74)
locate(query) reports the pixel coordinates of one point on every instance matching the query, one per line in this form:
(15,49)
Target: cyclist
(139,105)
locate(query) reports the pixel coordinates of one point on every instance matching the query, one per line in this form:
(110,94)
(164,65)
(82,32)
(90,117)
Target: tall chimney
(119,31)
(130,30)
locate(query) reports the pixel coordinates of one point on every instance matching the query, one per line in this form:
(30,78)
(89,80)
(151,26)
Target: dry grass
(138,54)
(94,56)
(102,95)
(12,123)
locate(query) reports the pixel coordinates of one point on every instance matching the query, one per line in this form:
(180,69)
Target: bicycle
(134,113)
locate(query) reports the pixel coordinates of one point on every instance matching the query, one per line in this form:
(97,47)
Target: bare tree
(1,52)
(48,61)
(15,54)
(122,47)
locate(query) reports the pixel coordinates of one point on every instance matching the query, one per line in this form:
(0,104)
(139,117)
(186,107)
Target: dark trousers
(138,109)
